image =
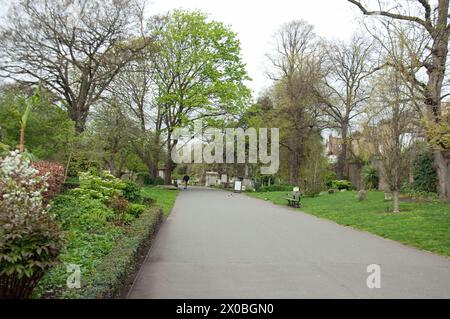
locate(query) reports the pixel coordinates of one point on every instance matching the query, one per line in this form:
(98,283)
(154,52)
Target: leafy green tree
(48,129)
(198,72)
(109,135)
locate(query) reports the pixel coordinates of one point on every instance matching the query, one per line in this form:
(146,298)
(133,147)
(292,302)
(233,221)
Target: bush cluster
(370,177)
(329,178)
(105,222)
(30,237)
(276,188)
(100,185)
(90,232)
(425,178)
(106,259)
(54,173)
(132,192)
(113,272)
(146,179)
(341,184)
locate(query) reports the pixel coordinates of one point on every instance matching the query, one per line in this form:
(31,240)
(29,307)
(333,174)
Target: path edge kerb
(141,257)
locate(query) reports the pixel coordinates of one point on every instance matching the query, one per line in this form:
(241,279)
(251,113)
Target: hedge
(113,274)
(276,188)
(116,258)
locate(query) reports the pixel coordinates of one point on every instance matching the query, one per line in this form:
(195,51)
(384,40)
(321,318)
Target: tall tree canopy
(75,47)
(198,72)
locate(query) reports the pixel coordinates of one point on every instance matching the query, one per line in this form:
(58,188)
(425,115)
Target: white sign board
(237,186)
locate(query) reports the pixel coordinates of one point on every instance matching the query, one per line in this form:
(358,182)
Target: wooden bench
(294,200)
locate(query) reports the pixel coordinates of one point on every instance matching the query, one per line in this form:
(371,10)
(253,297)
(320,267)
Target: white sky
(256,21)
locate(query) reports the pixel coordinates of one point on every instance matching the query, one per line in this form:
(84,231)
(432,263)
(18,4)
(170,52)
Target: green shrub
(418,195)
(90,234)
(341,184)
(370,177)
(268,179)
(132,192)
(329,178)
(312,188)
(128,219)
(148,201)
(136,210)
(114,270)
(71,183)
(102,185)
(425,178)
(146,179)
(276,188)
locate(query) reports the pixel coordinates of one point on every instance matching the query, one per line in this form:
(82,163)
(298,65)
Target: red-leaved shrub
(55,177)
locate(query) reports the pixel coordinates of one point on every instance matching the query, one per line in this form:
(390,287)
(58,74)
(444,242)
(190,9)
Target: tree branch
(396,16)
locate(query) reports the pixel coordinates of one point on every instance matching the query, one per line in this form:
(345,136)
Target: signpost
(237,186)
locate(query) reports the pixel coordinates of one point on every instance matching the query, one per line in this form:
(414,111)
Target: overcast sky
(256,21)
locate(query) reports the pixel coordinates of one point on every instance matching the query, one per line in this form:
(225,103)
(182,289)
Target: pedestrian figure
(185,180)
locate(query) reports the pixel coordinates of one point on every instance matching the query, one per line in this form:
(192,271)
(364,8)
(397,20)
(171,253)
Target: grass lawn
(424,225)
(164,198)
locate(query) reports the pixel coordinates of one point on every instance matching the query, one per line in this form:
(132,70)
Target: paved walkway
(217,244)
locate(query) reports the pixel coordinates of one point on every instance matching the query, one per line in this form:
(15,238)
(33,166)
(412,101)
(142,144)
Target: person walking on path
(185,180)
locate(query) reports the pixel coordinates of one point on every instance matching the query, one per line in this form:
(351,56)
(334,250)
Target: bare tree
(74,47)
(346,89)
(298,68)
(434,21)
(392,129)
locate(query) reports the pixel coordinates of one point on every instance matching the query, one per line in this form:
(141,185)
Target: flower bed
(104,234)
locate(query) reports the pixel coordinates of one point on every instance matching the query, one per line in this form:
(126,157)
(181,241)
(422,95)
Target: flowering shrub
(30,238)
(55,178)
(101,185)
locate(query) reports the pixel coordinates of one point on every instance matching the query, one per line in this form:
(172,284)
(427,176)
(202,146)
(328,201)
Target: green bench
(294,199)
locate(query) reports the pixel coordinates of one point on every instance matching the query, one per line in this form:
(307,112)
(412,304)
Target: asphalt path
(217,244)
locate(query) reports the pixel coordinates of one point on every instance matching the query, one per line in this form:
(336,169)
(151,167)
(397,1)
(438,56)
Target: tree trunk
(442,164)
(22,139)
(112,167)
(169,163)
(154,171)
(396,207)
(156,153)
(295,169)
(168,172)
(342,159)
(77,115)
(436,75)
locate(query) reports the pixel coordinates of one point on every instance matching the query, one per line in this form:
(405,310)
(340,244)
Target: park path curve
(217,244)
